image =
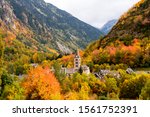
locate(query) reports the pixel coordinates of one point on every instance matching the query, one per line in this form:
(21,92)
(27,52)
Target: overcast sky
(94,12)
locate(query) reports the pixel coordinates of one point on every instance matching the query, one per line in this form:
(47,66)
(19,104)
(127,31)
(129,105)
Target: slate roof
(70,70)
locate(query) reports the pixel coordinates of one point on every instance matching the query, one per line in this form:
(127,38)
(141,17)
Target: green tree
(1,61)
(6,79)
(58,73)
(1,54)
(13,92)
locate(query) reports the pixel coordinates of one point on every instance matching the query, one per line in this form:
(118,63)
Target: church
(77,66)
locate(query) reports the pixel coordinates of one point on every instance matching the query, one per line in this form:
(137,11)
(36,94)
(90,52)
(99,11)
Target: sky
(94,12)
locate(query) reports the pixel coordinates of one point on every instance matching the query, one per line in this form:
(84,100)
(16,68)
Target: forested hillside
(129,40)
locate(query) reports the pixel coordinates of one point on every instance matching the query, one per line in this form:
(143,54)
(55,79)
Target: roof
(103,73)
(129,71)
(70,70)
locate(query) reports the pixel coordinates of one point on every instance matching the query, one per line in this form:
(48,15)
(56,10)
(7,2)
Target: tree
(131,88)
(6,79)
(13,92)
(38,57)
(145,93)
(79,86)
(1,61)
(41,84)
(97,86)
(112,89)
(84,91)
(58,73)
(1,54)
(80,70)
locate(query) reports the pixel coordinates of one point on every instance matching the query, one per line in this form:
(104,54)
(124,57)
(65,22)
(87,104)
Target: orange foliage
(95,53)
(66,59)
(41,84)
(112,50)
(10,37)
(134,48)
(81,53)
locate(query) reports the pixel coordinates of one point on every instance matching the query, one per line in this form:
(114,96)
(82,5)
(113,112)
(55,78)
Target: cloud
(94,12)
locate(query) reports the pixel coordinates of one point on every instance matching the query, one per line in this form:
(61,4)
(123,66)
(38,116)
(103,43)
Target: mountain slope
(51,26)
(128,42)
(108,26)
(133,24)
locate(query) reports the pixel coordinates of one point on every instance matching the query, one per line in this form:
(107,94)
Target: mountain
(108,26)
(41,25)
(133,24)
(128,42)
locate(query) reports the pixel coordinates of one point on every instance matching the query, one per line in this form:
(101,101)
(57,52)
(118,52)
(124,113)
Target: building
(102,73)
(77,61)
(85,69)
(129,71)
(77,66)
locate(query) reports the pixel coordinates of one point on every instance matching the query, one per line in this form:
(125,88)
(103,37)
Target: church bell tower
(77,61)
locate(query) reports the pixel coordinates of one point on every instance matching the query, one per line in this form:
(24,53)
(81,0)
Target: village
(78,67)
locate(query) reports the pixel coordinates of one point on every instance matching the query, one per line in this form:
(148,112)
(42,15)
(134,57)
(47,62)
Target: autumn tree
(77,87)
(41,84)
(131,88)
(112,89)
(84,91)
(97,87)
(38,57)
(145,93)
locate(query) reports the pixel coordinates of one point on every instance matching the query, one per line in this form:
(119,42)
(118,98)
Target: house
(102,73)
(129,71)
(85,69)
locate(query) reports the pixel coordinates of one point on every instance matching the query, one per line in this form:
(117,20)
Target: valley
(48,54)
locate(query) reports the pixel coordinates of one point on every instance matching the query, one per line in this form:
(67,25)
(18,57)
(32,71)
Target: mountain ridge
(51,26)
(108,26)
